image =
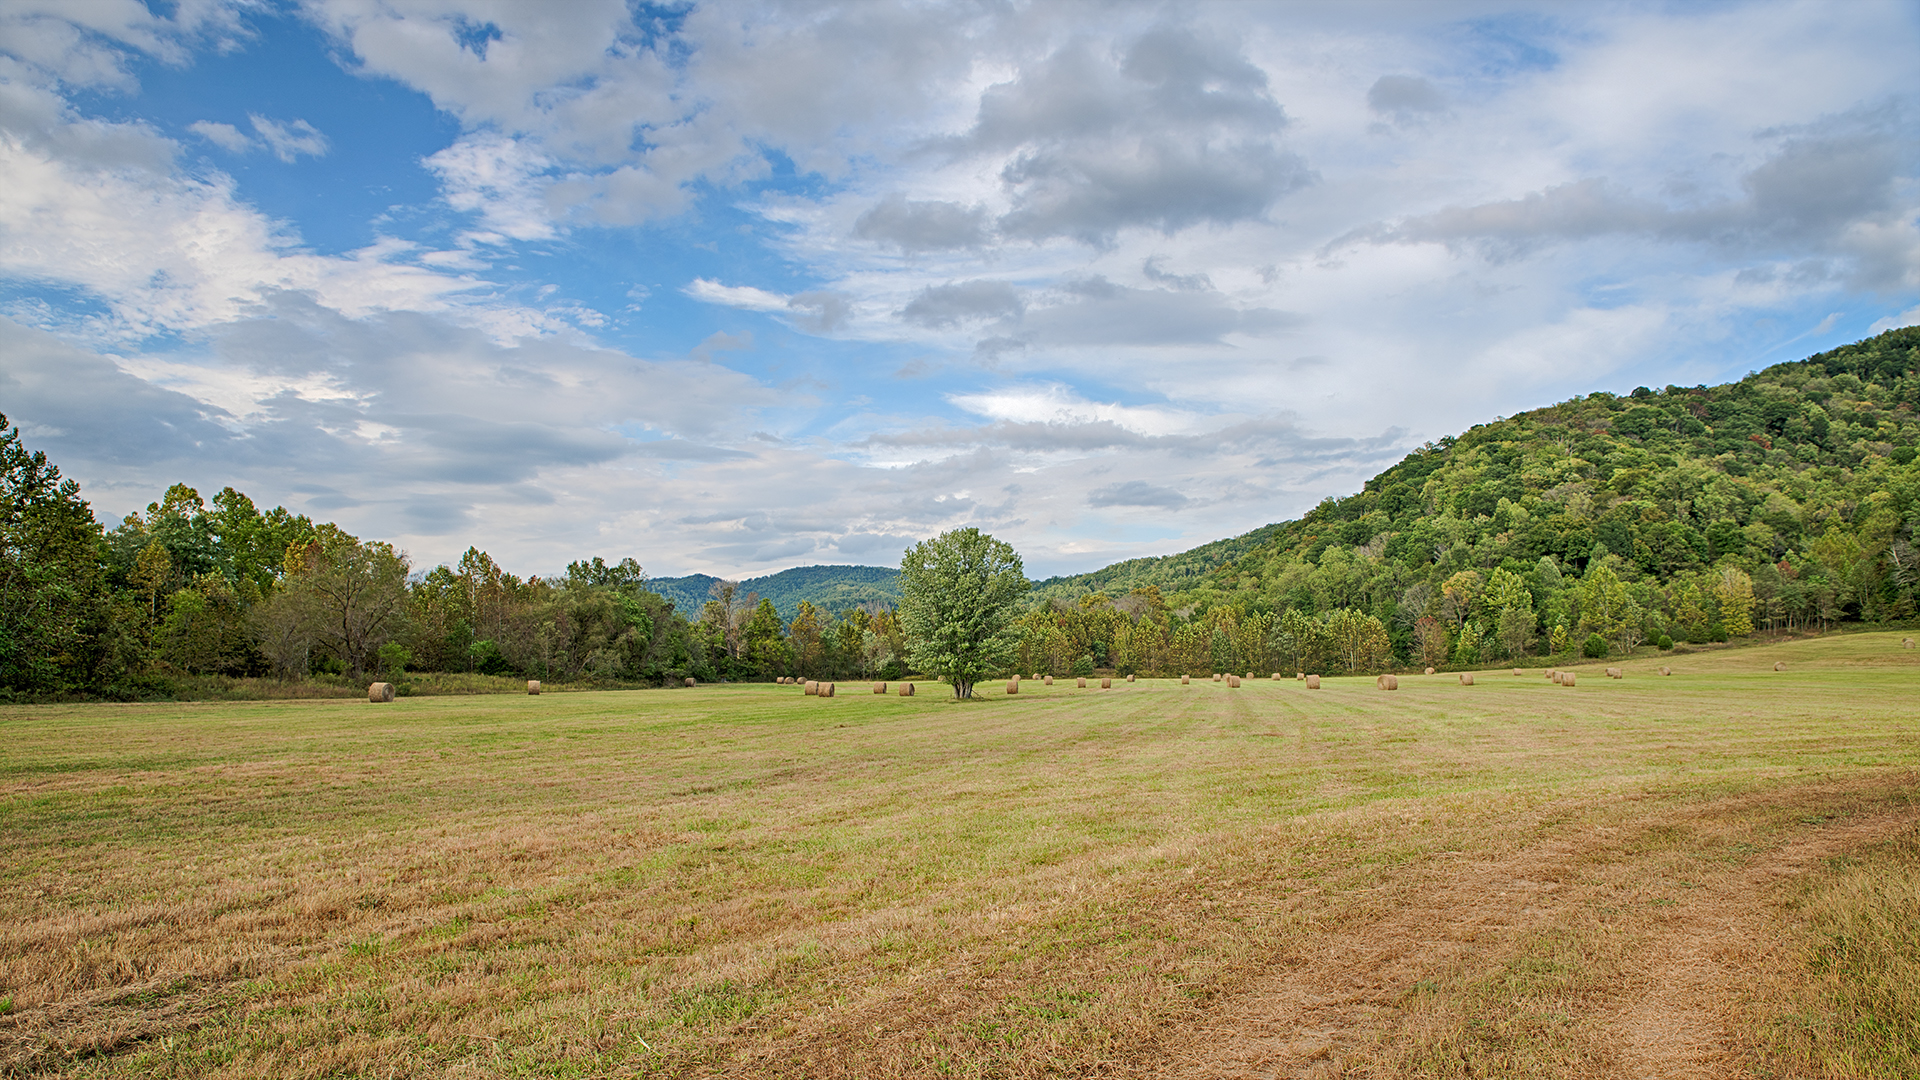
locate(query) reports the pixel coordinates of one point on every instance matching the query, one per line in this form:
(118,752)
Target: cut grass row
(743,879)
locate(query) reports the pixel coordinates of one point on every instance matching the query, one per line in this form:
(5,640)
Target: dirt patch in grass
(1621,940)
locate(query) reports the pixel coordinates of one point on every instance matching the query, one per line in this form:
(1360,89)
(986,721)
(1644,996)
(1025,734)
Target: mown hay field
(1155,879)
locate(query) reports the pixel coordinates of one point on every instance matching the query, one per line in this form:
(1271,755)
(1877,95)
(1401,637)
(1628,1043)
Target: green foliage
(1595,646)
(957,598)
(828,588)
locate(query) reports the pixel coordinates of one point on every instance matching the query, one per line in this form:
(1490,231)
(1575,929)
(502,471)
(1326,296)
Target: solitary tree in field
(957,595)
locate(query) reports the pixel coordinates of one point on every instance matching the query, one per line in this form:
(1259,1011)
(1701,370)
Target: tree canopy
(958,594)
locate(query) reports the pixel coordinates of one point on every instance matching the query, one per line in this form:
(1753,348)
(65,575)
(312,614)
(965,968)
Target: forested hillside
(830,588)
(1786,501)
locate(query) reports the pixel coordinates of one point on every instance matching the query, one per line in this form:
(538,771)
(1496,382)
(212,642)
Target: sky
(736,287)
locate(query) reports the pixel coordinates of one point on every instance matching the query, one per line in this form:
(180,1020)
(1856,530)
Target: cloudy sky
(738,287)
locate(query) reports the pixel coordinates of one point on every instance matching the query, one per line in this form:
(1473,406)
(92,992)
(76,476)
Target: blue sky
(738,287)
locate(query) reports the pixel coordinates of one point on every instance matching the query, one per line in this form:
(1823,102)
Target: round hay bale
(1313,682)
(1106,684)
(1379,682)
(1129,678)
(826,690)
(1906,643)
(1080,684)
(1233,682)
(1554,677)
(879,688)
(1516,671)
(1016,677)
(690,680)
(1393,682)
(1048,681)
(1613,673)
(1666,671)
(1429,671)
(1567,678)
(813,687)
(1466,678)
(1013,686)
(1276,676)
(1249,675)
(1779,665)
(906,689)
(1216,676)
(379,693)
(1183,680)
(533,686)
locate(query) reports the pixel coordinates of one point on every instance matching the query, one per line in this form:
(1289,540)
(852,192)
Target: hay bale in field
(1129,678)
(1299,676)
(1080,684)
(1466,678)
(1666,671)
(1106,684)
(1048,681)
(813,687)
(533,687)
(1013,686)
(1313,682)
(1233,682)
(379,693)
(1393,681)
(1516,671)
(1276,676)
(826,689)
(690,680)
(1429,671)
(1779,665)
(906,689)
(1613,673)
(879,688)
(1906,643)
(1553,675)
(1216,676)
(1567,678)
(1183,680)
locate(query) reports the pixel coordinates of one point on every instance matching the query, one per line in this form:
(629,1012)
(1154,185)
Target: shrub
(1595,647)
(1665,643)
(1083,667)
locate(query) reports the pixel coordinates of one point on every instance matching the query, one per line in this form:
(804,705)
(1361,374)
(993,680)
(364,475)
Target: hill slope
(831,588)
(1802,474)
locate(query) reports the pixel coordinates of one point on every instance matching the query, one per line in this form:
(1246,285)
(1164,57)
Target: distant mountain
(830,588)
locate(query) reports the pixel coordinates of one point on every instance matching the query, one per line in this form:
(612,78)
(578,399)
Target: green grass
(744,879)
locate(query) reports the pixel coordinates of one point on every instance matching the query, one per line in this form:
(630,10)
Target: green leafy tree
(958,594)
(1358,640)
(1733,588)
(1511,603)
(53,602)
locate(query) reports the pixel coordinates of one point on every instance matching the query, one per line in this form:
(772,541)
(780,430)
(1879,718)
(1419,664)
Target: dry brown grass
(724,882)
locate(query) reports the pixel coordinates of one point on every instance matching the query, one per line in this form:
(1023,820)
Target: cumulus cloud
(1406,99)
(940,307)
(929,225)
(1178,130)
(1832,193)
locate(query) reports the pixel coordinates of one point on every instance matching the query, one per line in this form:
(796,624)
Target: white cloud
(225,136)
(745,297)
(291,139)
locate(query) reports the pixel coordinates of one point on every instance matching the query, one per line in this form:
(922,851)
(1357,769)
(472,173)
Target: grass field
(1632,878)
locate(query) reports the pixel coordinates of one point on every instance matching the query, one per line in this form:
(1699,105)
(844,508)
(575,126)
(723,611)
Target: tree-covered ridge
(1785,500)
(829,588)
(1167,573)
